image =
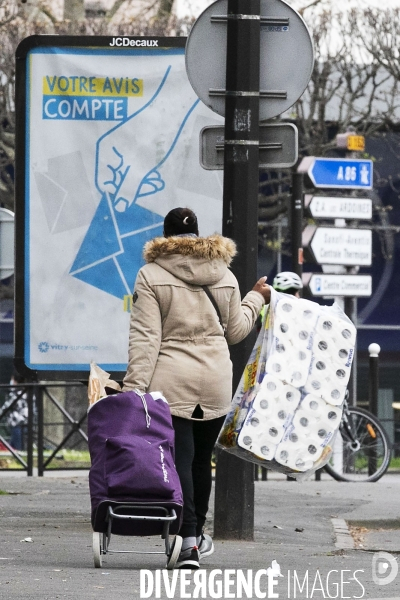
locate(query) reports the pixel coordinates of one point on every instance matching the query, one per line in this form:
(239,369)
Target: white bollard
(374,350)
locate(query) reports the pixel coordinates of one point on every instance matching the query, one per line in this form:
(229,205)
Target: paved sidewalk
(295,525)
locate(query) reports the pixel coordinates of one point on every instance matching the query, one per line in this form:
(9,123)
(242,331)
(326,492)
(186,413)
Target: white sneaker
(206,547)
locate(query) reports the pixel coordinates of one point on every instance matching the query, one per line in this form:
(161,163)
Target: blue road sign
(339,172)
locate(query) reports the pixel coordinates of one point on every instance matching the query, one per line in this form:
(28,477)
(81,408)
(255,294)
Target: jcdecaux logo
(81,98)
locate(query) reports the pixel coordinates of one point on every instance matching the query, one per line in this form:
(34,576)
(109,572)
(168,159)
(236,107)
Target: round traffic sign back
(287,57)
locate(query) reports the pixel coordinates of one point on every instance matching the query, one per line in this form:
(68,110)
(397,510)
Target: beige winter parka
(176,343)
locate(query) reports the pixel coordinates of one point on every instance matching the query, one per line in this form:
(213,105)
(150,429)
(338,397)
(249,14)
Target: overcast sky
(195,7)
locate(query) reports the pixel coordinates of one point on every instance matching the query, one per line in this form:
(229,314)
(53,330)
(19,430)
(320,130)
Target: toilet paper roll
(290,434)
(325,371)
(264,450)
(308,312)
(285,308)
(279,413)
(313,431)
(273,424)
(255,444)
(281,346)
(297,374)
(293,332)
(264,405)
(273,431)
(289,368)
(286,329)
(323,346)
(313,405)
(290,398)
(343,356)
(331,417)
(338,329)
(313,450)
(314,385)
(292,354)
(320,430)
(304,356)
(332,393)
(319,437)
(276,366)
(338,354)
(303,421)
(271,386)
(263,431)
(294,456)
(260,421)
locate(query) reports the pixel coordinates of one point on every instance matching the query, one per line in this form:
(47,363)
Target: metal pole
(297,223)
(373,389)
(350,309)
(234,485)
(29,449)
(40,428)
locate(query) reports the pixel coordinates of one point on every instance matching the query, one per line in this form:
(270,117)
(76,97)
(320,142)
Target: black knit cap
(180,220)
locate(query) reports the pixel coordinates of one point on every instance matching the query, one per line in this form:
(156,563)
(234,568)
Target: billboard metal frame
(22,163)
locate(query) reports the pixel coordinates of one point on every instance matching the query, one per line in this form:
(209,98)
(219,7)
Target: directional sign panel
(338,172)
(323,284)
(338,245)
(334,207)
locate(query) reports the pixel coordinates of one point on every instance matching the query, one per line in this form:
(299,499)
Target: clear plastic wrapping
(288,405)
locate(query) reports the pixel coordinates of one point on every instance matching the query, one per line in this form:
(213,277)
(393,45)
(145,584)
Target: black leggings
(194,443)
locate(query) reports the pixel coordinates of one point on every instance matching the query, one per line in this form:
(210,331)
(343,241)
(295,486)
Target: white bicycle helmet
(287,281)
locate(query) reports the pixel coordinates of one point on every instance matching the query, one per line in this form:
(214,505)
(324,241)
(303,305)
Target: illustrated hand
(129,157)
(263,288)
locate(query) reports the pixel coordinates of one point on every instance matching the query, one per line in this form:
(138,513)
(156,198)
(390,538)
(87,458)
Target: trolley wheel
(97,557)
(175,552)
(361,451)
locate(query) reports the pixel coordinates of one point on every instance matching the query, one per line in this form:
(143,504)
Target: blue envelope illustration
(111,252)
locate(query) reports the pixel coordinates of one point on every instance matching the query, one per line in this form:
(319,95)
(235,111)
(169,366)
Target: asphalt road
(303,526)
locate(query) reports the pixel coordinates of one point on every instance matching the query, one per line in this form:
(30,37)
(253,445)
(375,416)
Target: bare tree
(8,17)
(18,21)
(74,12)
(355,80)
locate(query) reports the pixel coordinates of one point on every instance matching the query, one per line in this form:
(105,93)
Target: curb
(344,539)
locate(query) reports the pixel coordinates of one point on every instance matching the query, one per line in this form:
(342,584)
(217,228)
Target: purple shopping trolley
(134,487)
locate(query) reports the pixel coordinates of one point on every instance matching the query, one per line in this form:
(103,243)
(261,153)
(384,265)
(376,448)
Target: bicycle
(361,450)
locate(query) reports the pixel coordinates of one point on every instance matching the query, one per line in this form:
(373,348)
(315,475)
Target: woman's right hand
(263,288)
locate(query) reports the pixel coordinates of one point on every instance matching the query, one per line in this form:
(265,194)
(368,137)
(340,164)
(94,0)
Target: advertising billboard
(107,144)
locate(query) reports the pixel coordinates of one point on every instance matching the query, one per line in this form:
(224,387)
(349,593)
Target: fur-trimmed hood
(195,260)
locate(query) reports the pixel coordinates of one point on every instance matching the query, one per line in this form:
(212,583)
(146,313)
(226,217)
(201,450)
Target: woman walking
(186,309)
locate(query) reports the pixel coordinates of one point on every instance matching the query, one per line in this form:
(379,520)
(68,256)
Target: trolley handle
(113,515)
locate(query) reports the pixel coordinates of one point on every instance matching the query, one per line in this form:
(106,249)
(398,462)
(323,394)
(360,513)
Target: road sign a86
(347,174)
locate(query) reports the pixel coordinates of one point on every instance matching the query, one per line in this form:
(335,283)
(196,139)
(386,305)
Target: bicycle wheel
(361,450)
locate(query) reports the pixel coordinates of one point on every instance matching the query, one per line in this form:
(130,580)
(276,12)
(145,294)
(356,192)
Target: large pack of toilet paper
(288,405)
